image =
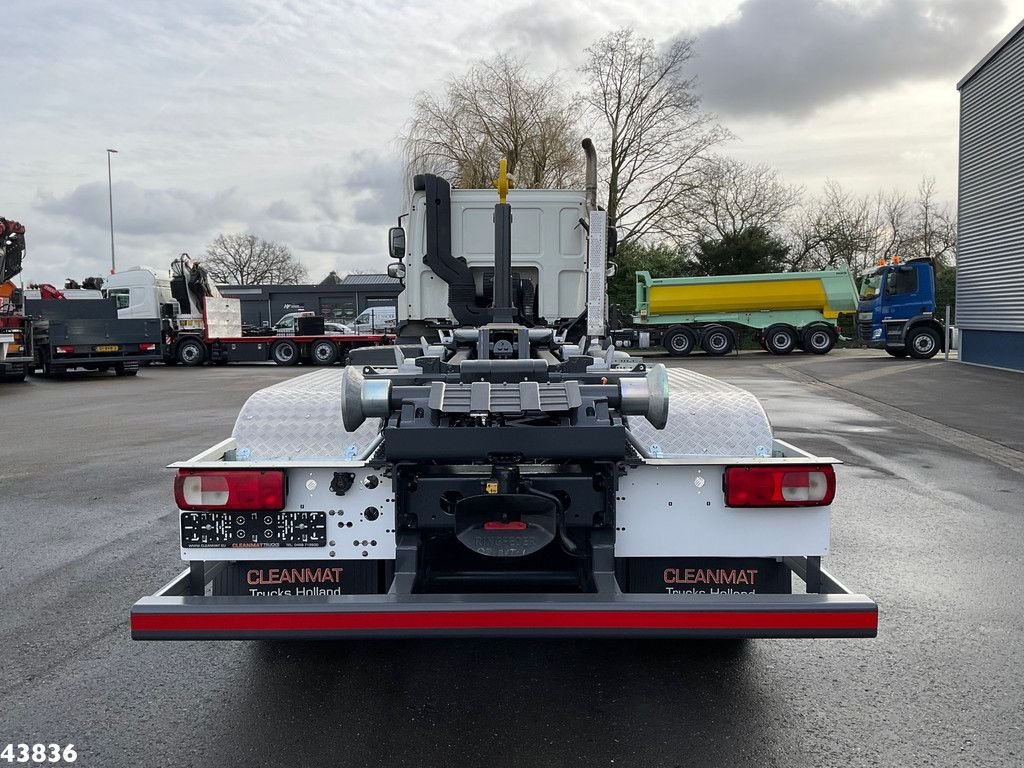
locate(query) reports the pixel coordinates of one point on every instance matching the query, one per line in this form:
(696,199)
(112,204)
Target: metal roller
(363,398)
(647,396)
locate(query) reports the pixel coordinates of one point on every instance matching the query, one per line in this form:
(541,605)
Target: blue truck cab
(896,311)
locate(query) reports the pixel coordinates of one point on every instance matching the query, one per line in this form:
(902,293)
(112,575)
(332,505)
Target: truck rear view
(503,481)
(87,334)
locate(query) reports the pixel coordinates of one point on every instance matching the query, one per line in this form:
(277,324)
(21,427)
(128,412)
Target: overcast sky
(281,117)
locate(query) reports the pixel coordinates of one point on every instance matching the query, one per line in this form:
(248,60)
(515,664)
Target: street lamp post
(110,198)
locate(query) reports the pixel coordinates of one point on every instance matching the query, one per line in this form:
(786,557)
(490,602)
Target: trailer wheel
(191,352)
(679,342)
(897,351)
(818,339)
(285,352)
(923,342)
(718,340)
(780,339)
(323,352)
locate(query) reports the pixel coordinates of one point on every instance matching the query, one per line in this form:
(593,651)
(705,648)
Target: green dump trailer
(784,310)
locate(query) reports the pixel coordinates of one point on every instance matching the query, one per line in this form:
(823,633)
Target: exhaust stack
(591,178)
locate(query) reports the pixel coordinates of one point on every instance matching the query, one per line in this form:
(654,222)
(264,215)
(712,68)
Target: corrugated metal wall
(990,242)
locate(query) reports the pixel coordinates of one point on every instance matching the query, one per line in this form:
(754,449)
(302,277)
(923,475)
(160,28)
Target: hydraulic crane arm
(12,248)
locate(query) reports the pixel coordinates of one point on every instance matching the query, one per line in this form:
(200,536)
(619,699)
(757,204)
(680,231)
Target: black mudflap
(300,578)
(705,575)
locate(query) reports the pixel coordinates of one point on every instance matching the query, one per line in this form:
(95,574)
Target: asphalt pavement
(927,521)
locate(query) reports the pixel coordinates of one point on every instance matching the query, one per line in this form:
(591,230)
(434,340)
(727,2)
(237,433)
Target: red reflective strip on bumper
(748,620)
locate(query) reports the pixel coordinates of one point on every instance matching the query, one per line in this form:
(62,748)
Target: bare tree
(933,226)
(840,228)
(650,124)
(497,110)
(835,230)
(244,259)
(731,197)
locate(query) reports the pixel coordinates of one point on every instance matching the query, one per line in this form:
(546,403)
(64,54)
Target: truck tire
(49,369)
(323,352)
(191,352)
(780,339)
(717,340)
(897,351)
(679,342)
(285,352)
(125,369)
(923,342)
(818,339)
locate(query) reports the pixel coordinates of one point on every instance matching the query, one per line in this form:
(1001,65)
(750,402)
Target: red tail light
(229,490)
(146,347)
(63,349)
(780,485)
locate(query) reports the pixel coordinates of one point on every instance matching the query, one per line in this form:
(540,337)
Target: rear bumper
(101,359)
(173,615)
(14,362)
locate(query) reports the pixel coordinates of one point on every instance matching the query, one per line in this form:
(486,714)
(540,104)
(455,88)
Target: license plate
(108,348)
(253,530)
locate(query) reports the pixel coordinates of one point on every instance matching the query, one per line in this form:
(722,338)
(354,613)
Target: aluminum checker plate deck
(300,419)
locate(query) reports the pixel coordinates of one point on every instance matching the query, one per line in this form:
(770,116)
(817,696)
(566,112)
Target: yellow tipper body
(826,293)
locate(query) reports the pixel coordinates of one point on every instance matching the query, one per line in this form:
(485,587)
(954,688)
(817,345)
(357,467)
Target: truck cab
(896,311)
(445,256)
(141,292)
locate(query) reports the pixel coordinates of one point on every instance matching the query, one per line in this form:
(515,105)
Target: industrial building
(341,301)
(990,243)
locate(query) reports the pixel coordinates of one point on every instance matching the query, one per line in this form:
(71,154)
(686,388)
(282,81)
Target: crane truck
(500,479)
(200,325)
(50,333)
(15,340)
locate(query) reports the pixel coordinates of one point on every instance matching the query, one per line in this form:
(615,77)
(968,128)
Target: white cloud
(141,211)
(282,117)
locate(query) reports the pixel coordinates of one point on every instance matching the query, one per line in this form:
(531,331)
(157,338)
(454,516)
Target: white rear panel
(679,511)
(548,248)
(350,534)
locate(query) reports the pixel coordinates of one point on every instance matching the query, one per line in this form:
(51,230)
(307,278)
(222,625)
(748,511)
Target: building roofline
(990,55)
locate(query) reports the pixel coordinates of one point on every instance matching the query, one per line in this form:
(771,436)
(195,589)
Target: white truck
(503,481)
(200,325)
